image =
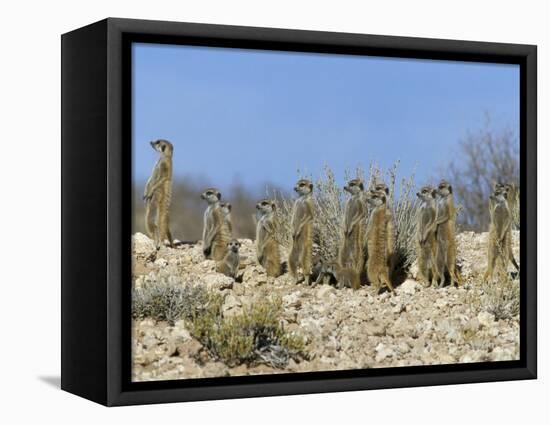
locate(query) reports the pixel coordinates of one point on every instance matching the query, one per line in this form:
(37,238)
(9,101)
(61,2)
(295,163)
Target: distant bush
(254,336)
(486,156)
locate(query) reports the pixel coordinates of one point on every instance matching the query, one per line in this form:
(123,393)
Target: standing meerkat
(267,248)
(302,231)
(226,211)
(446,234)
(390,229)
(377,262)
(215,235)
(351,247)
(229,266)
(426,252)
(158,193)
(499,246)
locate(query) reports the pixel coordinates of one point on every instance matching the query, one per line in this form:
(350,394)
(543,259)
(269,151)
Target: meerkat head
(226,207)
(211,195)
(503,187)
(383,187)
(426,194)
(265,206)
(499,196)
(164,147)
(303,187)
(444,188)
(376,198)
(354,186)
(234,245)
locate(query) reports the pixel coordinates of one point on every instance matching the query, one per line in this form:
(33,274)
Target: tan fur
(446,234)
(302,231)
(390,229)
(267,248)
(346,277)
(377,262)
(158,194)
(226,211)
(499,244)
(353,230)
(215,231)
(426,251)
(229,266)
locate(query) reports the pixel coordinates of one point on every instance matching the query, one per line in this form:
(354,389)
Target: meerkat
(158,193)
(267,248)
(302,231)
(426,238)
(351,247)
(346,277)
(229,266)
(377,262)
(226,211)
(390,229)
(445,234)
(499,244)
(215,235)
(513,201)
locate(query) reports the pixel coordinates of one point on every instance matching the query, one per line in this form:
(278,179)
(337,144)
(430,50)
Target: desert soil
(343,328)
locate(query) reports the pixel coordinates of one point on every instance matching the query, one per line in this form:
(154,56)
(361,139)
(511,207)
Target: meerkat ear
(274,206)
(219,195)
(450,189)
(163,147)
(229,207)
(311,186)
(361,186)
(433,193)
(387,190)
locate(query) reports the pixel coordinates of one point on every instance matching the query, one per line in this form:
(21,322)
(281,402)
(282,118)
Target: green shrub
(254,336)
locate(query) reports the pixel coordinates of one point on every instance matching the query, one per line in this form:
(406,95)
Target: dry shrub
(254,336)
(501,297)
(168,300)
(329,201)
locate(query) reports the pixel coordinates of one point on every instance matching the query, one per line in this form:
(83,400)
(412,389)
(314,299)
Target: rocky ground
(343,329)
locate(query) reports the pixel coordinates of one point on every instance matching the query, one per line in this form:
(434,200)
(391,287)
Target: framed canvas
(253,212)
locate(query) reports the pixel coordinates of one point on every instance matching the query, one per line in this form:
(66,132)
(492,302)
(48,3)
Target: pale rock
(409,287)
(486,319)
(325,291)
(161,262)
(218,281)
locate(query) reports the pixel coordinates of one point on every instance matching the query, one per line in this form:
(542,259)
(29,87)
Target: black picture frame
(96,195)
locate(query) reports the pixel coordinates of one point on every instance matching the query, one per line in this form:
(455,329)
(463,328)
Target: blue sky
(258,116)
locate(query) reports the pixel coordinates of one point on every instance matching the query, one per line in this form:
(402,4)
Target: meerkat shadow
(180,244)
(398,276)
(399,272)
